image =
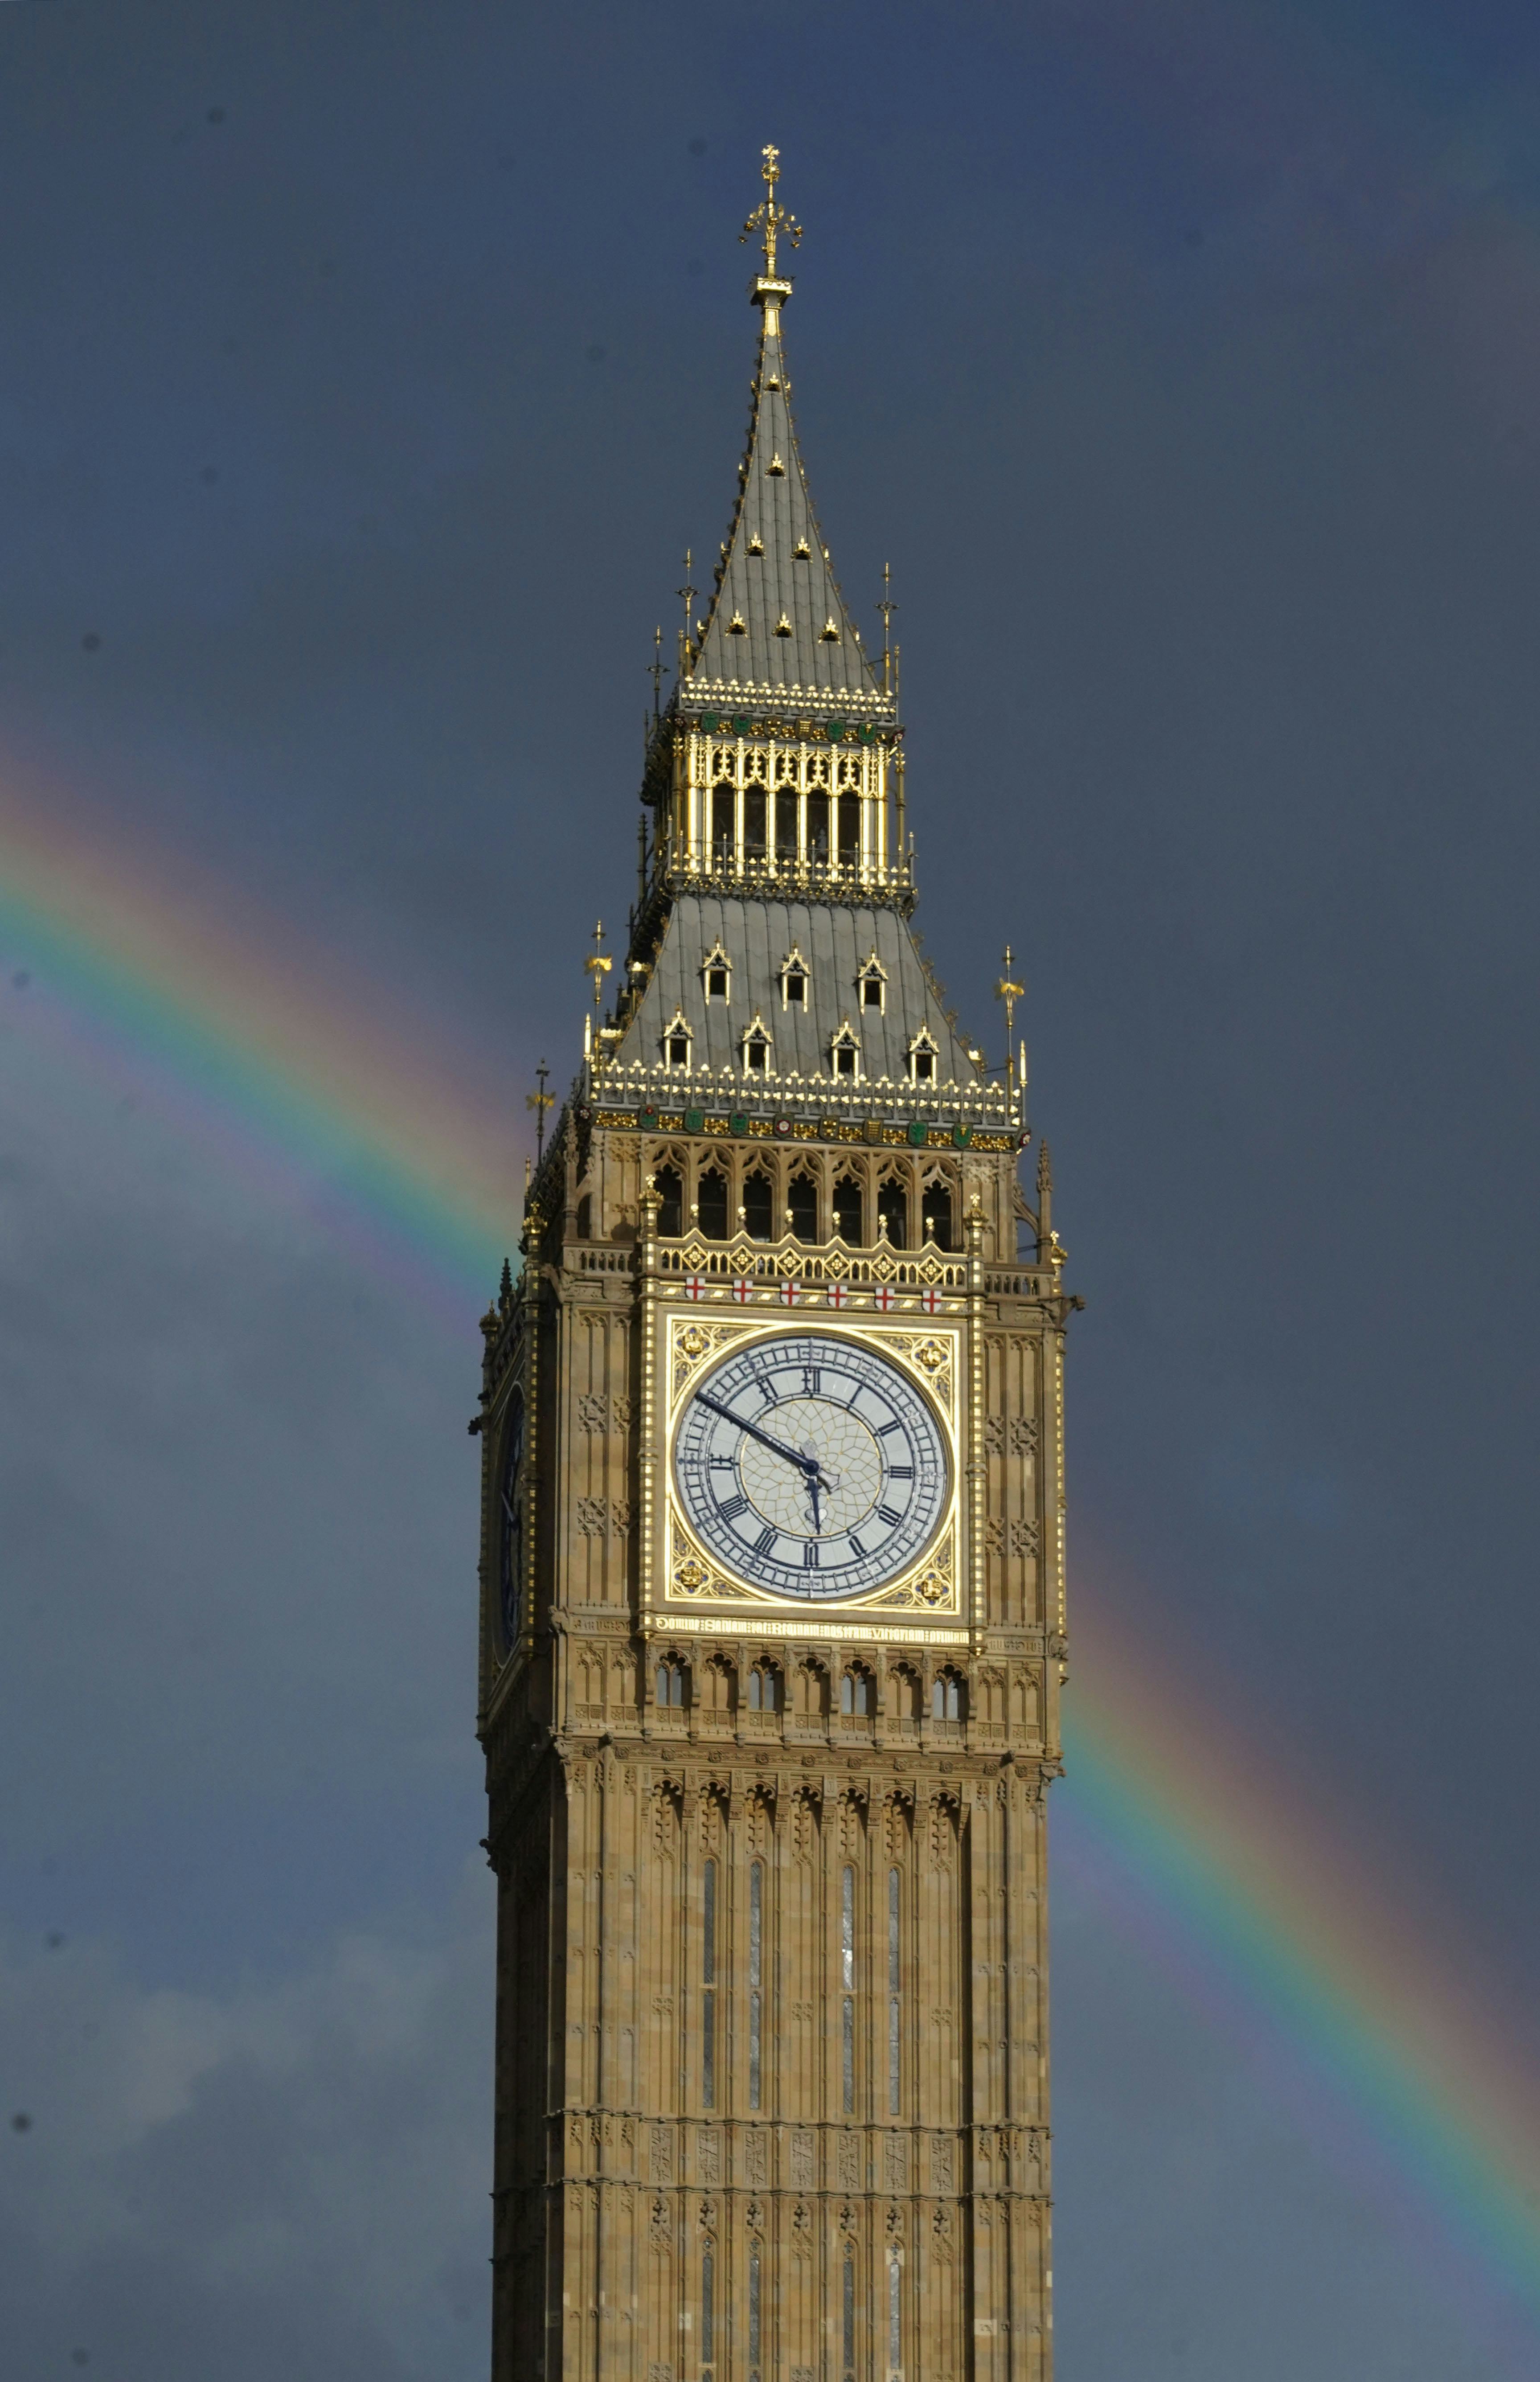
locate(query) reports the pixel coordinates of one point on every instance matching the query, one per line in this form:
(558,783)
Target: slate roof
(835,941)
(789,587)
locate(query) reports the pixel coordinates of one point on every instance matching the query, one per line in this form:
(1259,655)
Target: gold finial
(598,964)
(886,607)
(1010,994)
(773,223)
(539,1101)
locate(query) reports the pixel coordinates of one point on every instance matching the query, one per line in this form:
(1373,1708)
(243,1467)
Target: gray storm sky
(365,372)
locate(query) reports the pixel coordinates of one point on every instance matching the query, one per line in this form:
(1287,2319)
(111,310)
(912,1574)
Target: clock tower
(773,1571)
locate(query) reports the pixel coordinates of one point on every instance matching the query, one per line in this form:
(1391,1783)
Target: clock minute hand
(805,1463)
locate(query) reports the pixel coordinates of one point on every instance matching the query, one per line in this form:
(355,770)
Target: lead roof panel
(785,598)
(835,942)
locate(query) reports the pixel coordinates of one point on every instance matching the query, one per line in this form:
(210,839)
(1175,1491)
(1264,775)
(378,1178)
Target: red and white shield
(837,1294)
(694,1285)
(930,1300)
(792,1291)
(743,1289)
(882,1298)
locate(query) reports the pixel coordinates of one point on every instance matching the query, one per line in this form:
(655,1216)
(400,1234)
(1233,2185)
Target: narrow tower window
(935,1210)
(895,2008)
(708,1989)
(893,1212)
(753,2317)
(847,1979)
(756,2002)
(848,2321)
(801,1197)
(669,1186)
(711,1204)
(846,1210)
(895,2318)
(759,1206)
(708,2316)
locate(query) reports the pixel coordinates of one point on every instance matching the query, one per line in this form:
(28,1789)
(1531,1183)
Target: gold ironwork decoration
(600,964)
(772,222)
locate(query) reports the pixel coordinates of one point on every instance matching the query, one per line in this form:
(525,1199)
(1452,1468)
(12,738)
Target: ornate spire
(779,627)
(773,223)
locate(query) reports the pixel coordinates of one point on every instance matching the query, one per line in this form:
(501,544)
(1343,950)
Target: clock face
(511,1524)
(811,1465)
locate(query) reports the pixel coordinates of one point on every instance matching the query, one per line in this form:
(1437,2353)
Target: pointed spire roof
(779,627)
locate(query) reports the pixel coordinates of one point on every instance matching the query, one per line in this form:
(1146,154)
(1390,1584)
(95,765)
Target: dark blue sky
(365,372)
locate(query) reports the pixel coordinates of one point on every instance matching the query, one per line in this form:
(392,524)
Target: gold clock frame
(686,1578)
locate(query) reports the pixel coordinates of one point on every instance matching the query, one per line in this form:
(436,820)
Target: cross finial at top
(772,222)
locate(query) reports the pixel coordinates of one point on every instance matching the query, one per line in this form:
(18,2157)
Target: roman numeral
(900,1471)
(856,1547)
(889,1514)
(884,1428)
(765,1540)
(810,1381)
(734,1506)
(766,1393)
(809,1555)
(722,1462)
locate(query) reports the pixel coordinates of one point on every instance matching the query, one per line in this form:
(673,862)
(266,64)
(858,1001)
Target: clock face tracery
(811,1465)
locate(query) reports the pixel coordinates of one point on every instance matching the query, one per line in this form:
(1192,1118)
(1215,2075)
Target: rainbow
(254,1040)
(1274,1914)
(1212,1857)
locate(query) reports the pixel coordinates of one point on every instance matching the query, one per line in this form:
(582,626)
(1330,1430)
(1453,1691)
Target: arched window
(903,1692)
(711,1203)
(759,1206)
(936,1210)
(668,1184)
(922,1053)
(753,823)
(946,1697)
(818,828)
(717,974)
(801,1197)
(858,1693)
(669,1684)
(844,1051)
(872,985)
(678,1036)
(848,1211)
(764,1686)
(793,980)
(756,1049)
(786,821)
(893,1213)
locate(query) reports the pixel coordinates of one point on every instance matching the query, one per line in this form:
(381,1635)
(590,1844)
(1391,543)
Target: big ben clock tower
(772,1573)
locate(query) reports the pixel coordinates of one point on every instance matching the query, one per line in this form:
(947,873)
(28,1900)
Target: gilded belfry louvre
(773,1587)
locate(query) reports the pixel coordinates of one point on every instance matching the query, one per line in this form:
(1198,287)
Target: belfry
(773,1593)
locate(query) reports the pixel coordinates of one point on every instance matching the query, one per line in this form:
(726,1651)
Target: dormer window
(756,1049)
(794,975)
(676,1040)
(922,1053)
(717,974)
(845,1052)
(871,982)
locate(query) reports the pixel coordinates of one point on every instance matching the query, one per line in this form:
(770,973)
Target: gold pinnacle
(770,221)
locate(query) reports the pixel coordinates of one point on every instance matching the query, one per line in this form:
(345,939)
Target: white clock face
(811,1465)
